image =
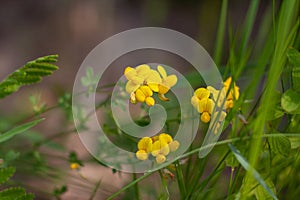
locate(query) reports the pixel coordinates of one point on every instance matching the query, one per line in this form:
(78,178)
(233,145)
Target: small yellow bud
(146,90)
(140,96)
(174,145)
(160,158)
(141,155)
(205,117)
(74,166)
(150,101)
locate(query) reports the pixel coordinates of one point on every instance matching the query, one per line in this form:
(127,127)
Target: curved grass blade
(250,169)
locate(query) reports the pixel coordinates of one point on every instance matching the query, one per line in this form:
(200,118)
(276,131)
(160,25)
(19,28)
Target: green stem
(136,188)
(221,33)
(164,183)
(95,189)
(180,180)
(129,185)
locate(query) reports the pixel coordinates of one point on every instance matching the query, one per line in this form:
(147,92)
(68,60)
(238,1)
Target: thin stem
(180,180)
(95,189)
(164,183)
(136,187)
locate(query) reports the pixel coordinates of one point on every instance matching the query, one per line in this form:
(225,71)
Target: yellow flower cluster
(144,81)
(158,146)
(204,99)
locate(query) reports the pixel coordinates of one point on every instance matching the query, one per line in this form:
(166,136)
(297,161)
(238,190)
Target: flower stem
(180,180)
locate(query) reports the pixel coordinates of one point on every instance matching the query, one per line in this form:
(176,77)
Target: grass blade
(17,130)
(249,168)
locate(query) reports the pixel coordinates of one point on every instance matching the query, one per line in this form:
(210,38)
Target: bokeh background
(71,29)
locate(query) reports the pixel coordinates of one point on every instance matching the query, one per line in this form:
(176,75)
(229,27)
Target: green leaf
(276,109)
(12,193)
(290,102)
(26,197)
(294,58)
(31,72)
(6,173)
(231,161)
(254,173)
(17,130)
(280,145)
(295,142)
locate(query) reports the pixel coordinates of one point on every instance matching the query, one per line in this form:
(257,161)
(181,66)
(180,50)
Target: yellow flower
(74,166)
(145,144)
(199,94)
(205,108)
(143,94)
(166,83)
(141,75)
(144,148)
(217,122)
(159,147)
(217,95)
(233,94)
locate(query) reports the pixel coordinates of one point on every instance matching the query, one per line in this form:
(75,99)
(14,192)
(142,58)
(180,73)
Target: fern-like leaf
(6,173)
(32,72)
(12,193)
(29,196)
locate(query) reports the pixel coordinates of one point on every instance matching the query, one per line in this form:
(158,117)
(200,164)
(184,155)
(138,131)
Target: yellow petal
(165,150)
(131,87)
(236,92)
(141,155)
(145,144)
(214,92)
(153,77)
(160,147)
(210,106)
(137,80)
(162,71)
(142,70)
(205,117)
(202,93)
(160,158)
(202,107)
(155,138)
(165,137)
(162,97)
(170,80)
(146,90)
(174,145)
(153,86)
(227,82)
(129,73)
(195,101)
(132,98)
(139,95)
(229,104)
(150,101)
(162,89)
